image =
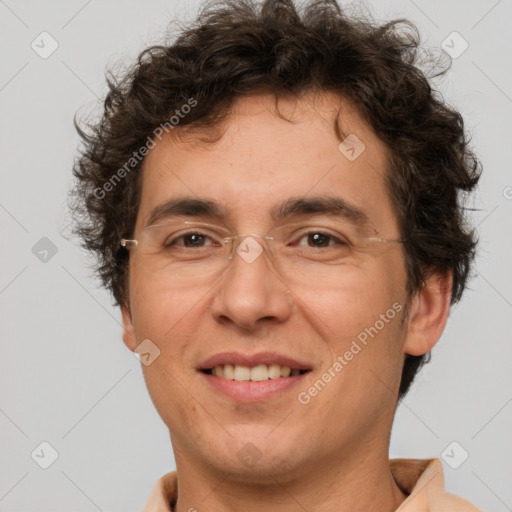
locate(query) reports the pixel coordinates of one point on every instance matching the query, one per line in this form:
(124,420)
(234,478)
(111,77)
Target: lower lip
(252,391)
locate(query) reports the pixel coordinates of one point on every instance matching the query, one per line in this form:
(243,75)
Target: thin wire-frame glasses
(190,250)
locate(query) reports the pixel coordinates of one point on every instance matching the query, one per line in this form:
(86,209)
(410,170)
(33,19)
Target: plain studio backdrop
(66,378)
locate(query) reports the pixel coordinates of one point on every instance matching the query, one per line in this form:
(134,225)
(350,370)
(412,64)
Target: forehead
(261,159)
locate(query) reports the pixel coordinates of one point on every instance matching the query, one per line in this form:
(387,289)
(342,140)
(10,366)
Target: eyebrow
(293,207)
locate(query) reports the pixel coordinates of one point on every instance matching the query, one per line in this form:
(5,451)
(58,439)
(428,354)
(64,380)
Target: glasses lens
(183,250)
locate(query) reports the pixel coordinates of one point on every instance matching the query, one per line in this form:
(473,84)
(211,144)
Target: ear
(129,337)
(428,313)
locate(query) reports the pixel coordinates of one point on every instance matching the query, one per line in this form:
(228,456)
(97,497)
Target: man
(275,203)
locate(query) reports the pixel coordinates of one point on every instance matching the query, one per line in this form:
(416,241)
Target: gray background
(66,377)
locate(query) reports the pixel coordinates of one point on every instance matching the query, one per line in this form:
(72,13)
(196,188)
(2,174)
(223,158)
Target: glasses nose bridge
(234,241)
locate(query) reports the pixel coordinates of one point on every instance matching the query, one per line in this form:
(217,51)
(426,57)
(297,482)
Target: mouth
(258,373)
(253,378)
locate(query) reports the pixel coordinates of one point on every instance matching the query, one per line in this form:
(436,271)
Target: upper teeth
(256,373)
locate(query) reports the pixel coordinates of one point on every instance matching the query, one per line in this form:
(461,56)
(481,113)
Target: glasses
(190,251)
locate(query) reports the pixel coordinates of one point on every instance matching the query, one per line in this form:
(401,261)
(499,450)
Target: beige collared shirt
(421,479)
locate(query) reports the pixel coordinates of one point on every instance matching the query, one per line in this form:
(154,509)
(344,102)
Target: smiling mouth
(258,373)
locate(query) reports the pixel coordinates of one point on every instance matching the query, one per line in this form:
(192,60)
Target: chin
(253,455)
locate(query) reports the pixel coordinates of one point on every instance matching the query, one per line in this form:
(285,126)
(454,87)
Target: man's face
(289,424)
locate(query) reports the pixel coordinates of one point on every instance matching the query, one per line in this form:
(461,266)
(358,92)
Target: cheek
(169,396)
(361,322)
(168,318)
(357,299)
(363,369)
(163,310)
(169,324)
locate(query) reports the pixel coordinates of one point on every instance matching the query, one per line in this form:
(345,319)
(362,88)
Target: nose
(251,293)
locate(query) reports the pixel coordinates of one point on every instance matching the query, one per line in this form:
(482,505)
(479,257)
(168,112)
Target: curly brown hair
(236,48)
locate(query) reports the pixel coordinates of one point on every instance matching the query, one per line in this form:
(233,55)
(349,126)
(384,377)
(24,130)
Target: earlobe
(129,337)
(428,313)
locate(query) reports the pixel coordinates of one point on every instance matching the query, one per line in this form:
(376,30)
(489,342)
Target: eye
(320,239)
(190,240)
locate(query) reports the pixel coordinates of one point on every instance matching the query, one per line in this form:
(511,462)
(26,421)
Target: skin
(328,455)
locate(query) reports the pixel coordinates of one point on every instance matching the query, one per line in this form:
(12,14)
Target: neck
(336,484)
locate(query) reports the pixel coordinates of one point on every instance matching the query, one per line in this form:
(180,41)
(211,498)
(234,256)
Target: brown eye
(189,240)
(318,239)
(193,240)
